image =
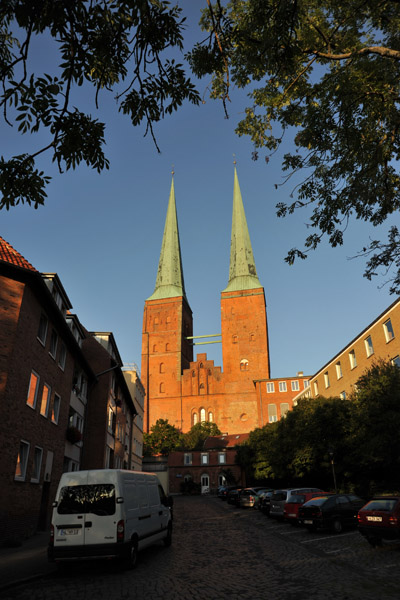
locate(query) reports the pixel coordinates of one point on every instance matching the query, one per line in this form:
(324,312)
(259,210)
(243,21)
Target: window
(282,386)
(221,458)
(63,356)
(388,329)
(42,333)
(326,379)
(272,415)
(396,361)
(187,458)
(45,403)
(210,417)
(295,386)
(306,384)
(315,388)
(55,410)
(22,461)
(37,463)
(352,358)
(270,388)
(162,368)
(244,365)
(339,373)
(284,409)
(33,390)
(202,415)
(53,343)
(195,418)
(235,339)
(204,458)
(368,346)
(162,387)
(252,337)
(343,395)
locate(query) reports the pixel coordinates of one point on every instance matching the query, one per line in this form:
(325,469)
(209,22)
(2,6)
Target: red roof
(224,441)
(9,255)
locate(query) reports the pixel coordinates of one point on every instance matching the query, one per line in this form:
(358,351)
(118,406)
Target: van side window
(163,496)
(154,495)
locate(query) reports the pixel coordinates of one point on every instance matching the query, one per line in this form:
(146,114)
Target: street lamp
(331,454)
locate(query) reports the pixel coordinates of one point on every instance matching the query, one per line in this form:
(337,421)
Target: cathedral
(187,390)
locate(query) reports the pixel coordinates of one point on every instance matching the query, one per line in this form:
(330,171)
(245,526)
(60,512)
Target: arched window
(201,365)
(202,386)
(162,387)
(162,368)
(235,339)
(154,348)
(202,415)
(244,364)
(195,418)
(167,346)
(210,417)
(193,373)
(252,337)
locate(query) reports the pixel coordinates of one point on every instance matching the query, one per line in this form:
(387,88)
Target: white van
(108,513)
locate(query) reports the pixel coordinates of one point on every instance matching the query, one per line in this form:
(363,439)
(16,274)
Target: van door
(84,515)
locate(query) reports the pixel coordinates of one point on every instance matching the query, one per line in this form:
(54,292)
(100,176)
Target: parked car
(248,497)
(233,496)
(265,503)
(380,519)
(223,491)
(291,508)
(260,496)
(334,512)
(280,497)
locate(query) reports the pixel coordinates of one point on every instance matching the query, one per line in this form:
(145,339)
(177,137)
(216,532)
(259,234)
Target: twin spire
(242,270)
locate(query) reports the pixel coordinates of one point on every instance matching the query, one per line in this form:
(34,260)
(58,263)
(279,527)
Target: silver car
(280,497)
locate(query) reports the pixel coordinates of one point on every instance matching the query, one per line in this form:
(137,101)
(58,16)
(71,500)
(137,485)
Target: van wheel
(133,555)
(168,539)
(337,526)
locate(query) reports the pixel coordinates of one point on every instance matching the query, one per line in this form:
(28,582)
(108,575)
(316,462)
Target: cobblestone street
(220,552)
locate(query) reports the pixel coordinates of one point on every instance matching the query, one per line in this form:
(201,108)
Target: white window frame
(396,361)
(352,359)
(388,330)
(37,464)
(306,384)
(272,413)
(326,379)
(22,460)
(282,386)
(270,387)
(295,386)
(369,347)
(47,388)
(221,458)
(187,458)
(202,415)
(339,372)
(284,408)
(204,458)
(55,409)
(36,375)
(343,395)
(316,391)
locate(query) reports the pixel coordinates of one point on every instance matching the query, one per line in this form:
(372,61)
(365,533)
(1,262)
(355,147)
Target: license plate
(68,531)
(374,518)
(307,522)
(291,514)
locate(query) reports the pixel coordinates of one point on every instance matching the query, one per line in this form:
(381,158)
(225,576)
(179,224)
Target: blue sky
(102,233)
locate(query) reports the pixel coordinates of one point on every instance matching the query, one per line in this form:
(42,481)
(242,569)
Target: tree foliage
(326,73)
(360,435)
(195,438)
(162,439)
(107,46)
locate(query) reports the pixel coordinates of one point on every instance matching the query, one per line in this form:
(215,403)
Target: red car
(380,519)
(291,508)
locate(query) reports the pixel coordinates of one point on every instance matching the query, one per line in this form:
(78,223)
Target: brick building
(185,390)
(208,468)
(39,359)
(380,339)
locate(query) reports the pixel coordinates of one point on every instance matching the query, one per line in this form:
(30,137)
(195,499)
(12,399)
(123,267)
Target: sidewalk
(28,561)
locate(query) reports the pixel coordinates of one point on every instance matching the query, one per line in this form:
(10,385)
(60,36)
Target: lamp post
(331,454)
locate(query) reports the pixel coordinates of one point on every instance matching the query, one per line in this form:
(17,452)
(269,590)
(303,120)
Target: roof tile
(9,255)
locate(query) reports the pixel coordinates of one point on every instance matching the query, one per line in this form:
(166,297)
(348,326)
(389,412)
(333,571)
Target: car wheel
(168,539)
(337,526)
(374,541)
(132,557)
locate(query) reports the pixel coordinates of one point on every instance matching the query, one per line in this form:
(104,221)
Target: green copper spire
(169,283)
(242,269)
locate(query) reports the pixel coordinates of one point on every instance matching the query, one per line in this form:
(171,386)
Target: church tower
(245,353)
(167,322)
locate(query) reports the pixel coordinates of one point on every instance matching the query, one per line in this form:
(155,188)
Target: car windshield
(296,499)
(385,504)
(282,495)
(317,501)
(97,499)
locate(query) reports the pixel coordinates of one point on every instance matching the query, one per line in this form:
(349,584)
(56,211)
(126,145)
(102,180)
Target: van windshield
(98,499)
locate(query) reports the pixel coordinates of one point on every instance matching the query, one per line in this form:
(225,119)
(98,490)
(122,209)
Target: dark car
(334,512)
(380,519)
(292,506)
(266,502)
(224,490)
(233,496)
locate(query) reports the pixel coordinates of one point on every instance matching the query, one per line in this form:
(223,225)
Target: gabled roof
(9,255)
(224,441)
